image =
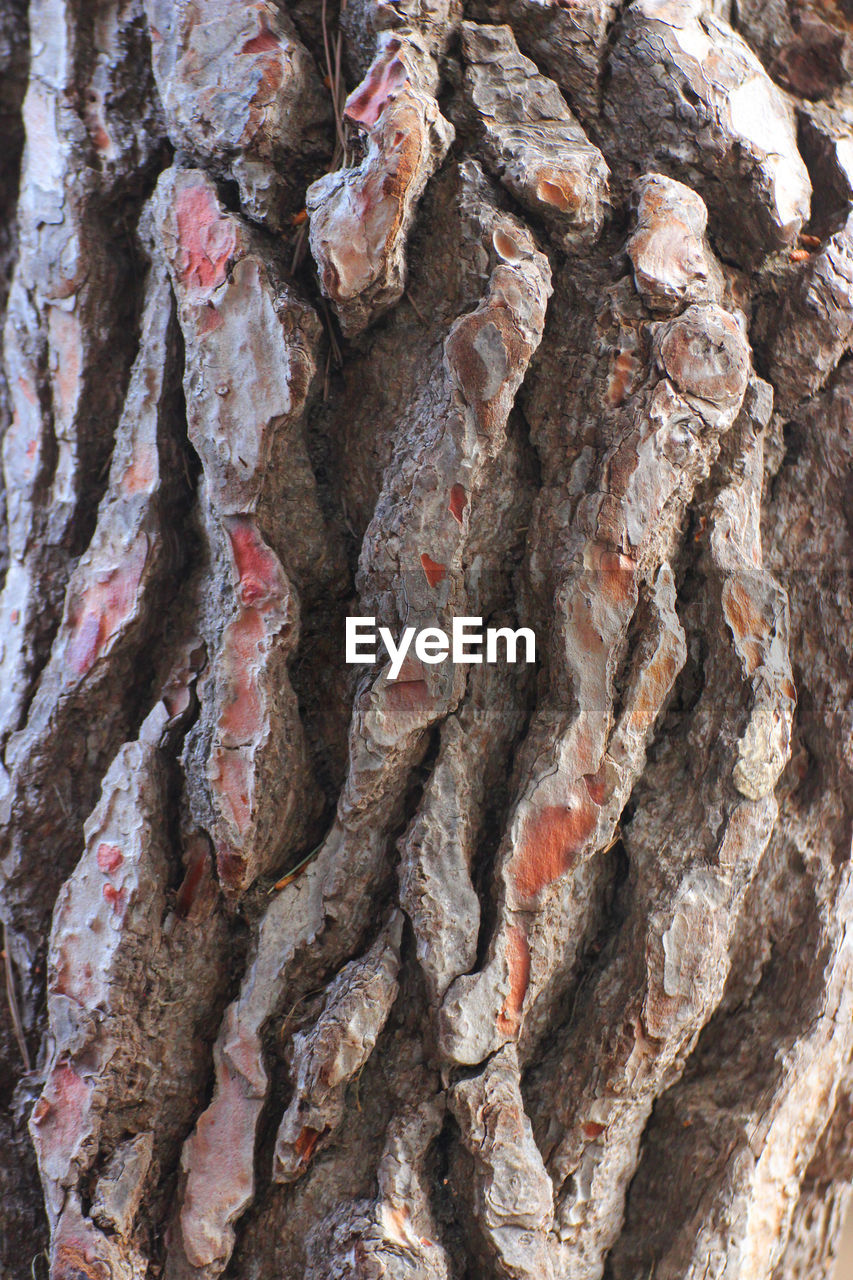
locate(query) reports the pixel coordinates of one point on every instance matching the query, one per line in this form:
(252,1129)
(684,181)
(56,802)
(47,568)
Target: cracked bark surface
(540,313)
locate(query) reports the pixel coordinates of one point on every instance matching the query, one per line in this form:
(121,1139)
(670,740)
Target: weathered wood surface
(540,312)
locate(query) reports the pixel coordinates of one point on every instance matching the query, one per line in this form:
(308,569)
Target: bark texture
(534,312)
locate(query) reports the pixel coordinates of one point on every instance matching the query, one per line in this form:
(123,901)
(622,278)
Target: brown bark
(541,313)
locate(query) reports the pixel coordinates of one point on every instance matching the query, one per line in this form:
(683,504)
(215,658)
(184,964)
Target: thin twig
(12,998)
(415,307)
(294,871)
(299,247)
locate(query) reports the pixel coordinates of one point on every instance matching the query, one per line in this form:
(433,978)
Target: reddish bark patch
(207,239)
(59,1111)
(406,695)
(434,572)
(551,843)
(258,567)
(109,857)
(596,785)
(458,502)
(242,715)
(593,1130)
(195,873)
(72,1263)
(385,78)
(518,963)
(115,898)
(141,473)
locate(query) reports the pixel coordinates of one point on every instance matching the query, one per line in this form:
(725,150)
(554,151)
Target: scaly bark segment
(391,1237)
(686,94)
(246,387)
(360,217)
(513,1196)
(460,423)
(130,984)
(643,1012)
(110,615)
(531,139)
(568,41)
(437,852)
(335,1049)
(660,442)
(241,93)
(814,327)
(90,123)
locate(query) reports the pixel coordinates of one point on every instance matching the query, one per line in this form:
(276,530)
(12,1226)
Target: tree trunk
(542,315)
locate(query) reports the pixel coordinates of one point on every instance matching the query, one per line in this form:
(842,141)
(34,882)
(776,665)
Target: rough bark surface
(534,312)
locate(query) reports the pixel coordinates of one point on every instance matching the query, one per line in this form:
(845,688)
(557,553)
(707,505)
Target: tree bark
(539,313)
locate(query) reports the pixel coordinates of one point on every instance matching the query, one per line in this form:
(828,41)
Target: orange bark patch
(741,614)
(109,857)
(551,842)
(621,378)
(306,1143)
(655,684)
(596,785)
(518,963)
(264,42)
(458,502)
(435,573)
(206,238)
(557,188)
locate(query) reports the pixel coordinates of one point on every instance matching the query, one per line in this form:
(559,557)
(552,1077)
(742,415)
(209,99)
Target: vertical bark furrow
(637,1021)
(531,140)
(360,217)
(242,97)
(686,94)
(689,377)
(92,139)
(98,661)
(412,572)
(251,354)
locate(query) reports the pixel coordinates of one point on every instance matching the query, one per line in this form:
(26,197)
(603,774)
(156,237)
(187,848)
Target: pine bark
(535,312)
